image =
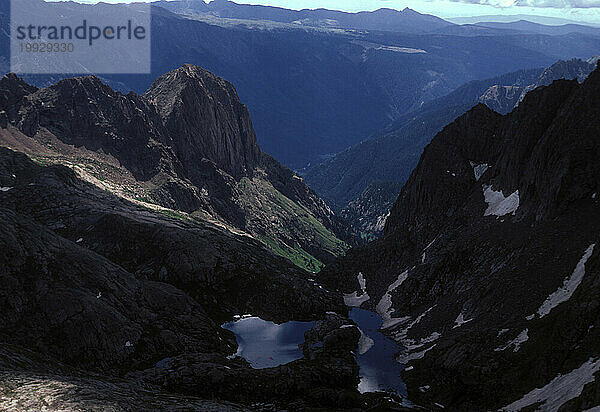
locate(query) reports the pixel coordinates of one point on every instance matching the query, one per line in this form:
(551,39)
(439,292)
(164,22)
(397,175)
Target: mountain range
(406,21)
(143,215)
(488,271)
(315,91)
(392,155)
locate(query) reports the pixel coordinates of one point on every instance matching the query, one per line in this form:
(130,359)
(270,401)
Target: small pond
(265,344)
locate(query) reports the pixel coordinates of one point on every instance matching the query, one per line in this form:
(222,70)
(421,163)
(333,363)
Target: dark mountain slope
(394,154)
(489,267)
(187,145)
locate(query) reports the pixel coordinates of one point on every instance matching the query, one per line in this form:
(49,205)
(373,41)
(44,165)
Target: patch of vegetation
(297,255)
(278,219)
(41,161)
(175,215)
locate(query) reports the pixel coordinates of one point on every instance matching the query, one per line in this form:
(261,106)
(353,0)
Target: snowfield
(479,170)
(569,286)
(516,342)
(384,307)
(354,299)
(561,389)
(498,205)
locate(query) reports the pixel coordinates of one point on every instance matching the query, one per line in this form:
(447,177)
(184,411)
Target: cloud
(557,4)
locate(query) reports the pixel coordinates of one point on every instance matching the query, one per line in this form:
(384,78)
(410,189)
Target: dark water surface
(265,345)
(378,369)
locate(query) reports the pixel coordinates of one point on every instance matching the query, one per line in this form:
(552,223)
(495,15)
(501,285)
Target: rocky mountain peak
(204,115)
(188,145)
(570,69)
(12,91)
(526,151)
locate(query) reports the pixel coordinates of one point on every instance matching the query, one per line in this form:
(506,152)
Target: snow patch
(5,189)
(79,240)
(570,284)
(560,390)
(413,349)
(516,342)
(99,295)
(354,299)
(128,344)
(384,307)
(479,170)
(498,205)
(414,355)
(460,320)
(365,343)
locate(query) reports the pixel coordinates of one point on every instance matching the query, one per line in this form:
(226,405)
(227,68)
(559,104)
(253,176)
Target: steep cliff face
(204,115)
(488,273)
(187,145)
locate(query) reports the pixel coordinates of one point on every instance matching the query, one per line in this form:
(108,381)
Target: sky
(577,10)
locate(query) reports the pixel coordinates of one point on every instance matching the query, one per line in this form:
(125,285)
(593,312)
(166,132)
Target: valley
(306,210)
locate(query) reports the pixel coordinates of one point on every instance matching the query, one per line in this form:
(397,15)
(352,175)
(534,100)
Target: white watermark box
(73,38)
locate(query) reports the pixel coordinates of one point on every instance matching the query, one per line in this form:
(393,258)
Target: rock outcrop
(504,98)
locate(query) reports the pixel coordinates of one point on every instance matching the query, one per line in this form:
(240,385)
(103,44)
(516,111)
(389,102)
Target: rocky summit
(187,147)
(488,270)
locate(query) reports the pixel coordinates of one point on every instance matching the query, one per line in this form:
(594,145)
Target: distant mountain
(510,18)
(405,21)
(530,27)
(504,98)
(314,91)
(488,274)
(187,145)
